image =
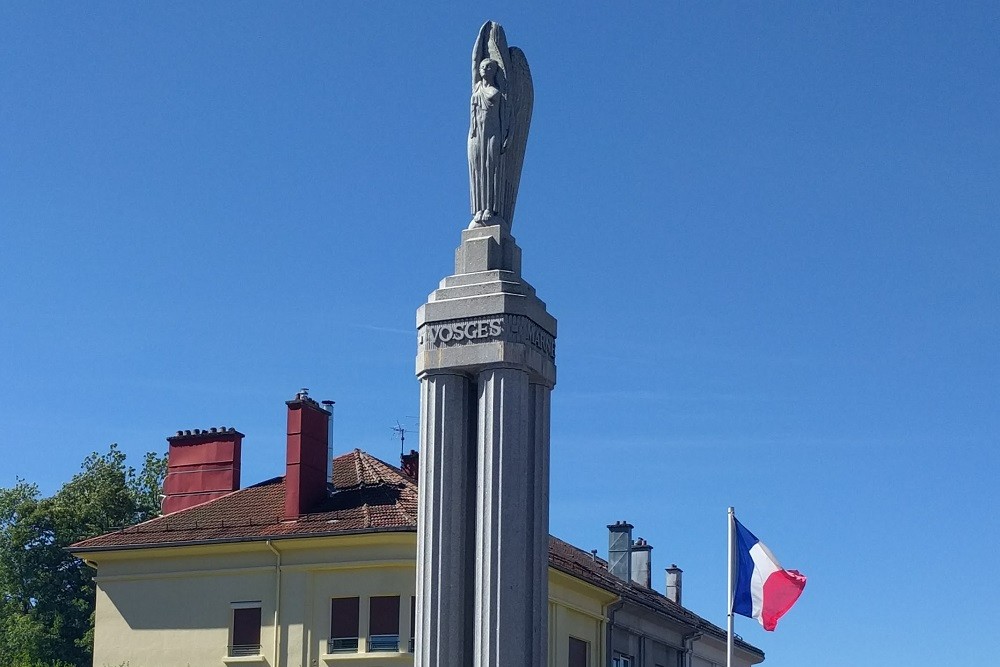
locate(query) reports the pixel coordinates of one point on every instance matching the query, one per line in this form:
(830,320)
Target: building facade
(318,567)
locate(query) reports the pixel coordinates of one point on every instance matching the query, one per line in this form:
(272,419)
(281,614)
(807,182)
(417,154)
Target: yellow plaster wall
(172,607)
(174,620)
(576,609)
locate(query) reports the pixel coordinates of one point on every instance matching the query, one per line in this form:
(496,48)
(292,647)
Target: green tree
(46,594)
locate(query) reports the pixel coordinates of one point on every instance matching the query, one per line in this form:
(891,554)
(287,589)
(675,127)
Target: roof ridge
(376,463)
(357,467)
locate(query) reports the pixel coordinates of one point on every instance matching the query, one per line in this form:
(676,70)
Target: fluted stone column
(485,336)
(505,571)
(541,409)
(444,614)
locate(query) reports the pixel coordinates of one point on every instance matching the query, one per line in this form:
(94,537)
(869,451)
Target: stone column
(444,563)
(487,332)
(505,573)
(540,397)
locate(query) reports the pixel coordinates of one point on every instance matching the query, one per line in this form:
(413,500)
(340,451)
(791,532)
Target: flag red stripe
(781,590)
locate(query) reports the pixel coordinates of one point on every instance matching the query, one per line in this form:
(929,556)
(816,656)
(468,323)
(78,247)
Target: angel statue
(502,96)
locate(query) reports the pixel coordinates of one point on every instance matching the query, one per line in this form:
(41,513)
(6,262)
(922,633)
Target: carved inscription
(461,331)
(523,330)
(506,328)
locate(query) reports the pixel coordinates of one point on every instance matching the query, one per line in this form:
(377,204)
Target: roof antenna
(400,430)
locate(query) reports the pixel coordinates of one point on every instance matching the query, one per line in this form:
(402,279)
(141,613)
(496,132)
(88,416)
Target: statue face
(487,68)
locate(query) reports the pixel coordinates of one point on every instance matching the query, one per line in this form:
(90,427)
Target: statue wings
(514,82)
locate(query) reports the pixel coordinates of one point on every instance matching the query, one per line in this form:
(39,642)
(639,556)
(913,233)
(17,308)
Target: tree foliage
(46,594)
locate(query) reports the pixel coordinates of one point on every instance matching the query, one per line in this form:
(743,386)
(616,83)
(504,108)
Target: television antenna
(401,432)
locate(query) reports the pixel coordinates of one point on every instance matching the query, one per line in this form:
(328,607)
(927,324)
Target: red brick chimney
(201,466)
(410,464)
(305,463)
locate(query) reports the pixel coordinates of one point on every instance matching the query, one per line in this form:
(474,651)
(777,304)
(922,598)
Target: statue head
(488,69)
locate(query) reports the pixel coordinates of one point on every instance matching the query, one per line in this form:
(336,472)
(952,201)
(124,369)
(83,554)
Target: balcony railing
(383,643)
(342,645)
(240,650)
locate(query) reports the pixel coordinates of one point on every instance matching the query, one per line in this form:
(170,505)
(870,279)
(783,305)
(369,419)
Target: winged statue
(502,97)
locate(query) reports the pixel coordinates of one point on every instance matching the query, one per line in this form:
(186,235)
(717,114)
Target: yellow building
(274,574)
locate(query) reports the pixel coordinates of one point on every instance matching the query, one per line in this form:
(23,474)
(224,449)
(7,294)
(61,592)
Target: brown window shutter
(413,616)
(246,626)
(577,652)
(344,617)
(384,616)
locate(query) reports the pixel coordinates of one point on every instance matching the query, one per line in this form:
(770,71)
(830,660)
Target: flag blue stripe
(742,602)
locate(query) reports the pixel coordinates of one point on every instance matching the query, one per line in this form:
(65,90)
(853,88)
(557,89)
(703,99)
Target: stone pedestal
(486,363)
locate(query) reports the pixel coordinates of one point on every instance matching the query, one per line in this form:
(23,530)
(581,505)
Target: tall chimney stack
(674,583)
(306,454)
(202,465)
(642,563)
(619,550)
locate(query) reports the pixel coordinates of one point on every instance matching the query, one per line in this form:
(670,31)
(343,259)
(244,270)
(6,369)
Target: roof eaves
(230,540)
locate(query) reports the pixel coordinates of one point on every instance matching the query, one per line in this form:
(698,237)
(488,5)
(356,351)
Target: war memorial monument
(486,364)
(316,567)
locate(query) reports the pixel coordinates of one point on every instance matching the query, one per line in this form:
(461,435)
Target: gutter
(611,611)
(74,549)
(687,644)
(277,603)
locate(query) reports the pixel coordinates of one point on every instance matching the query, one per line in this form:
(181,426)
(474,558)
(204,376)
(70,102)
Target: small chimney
(410,463)
(642,563)
(328,406)
(306,455)
(202,465)
(674,583)
(619,547)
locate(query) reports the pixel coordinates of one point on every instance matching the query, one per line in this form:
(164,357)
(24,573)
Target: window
(383,623)
(245,636)
(622,660)
(413,623)
(577,652)
(343,626)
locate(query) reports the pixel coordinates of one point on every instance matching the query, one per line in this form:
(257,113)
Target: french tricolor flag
(762,589)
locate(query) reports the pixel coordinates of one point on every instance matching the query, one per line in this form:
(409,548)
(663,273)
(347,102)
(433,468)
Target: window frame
(384,642)
(586,650)
(622,660)
(234,650)
(345,643)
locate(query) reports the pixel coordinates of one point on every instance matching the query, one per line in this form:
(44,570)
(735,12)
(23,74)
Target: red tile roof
(370,496)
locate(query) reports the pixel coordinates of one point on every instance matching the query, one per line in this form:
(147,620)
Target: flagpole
(729,587)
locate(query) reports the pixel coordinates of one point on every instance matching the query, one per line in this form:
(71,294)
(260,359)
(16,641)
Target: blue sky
(768,231)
